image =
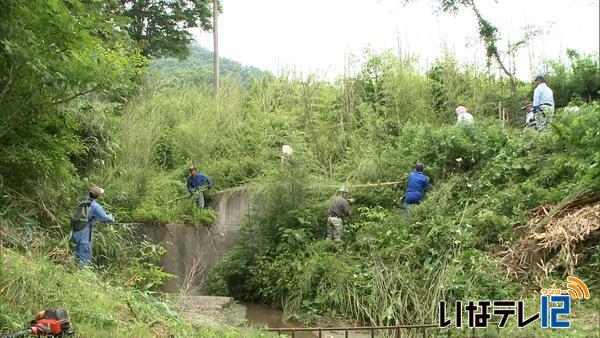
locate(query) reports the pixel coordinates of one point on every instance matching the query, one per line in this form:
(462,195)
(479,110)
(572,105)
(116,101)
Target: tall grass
(376,291)
(30,283)
(236,135)
(367,128)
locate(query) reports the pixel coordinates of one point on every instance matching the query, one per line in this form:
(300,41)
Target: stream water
(260,316)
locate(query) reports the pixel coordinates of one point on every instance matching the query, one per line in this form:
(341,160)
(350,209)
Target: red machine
(51,322)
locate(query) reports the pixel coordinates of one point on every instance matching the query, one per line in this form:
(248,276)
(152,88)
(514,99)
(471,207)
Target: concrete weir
(186,244)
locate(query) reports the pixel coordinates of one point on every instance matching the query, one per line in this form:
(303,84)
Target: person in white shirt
(543,103)
(529,116)
(286,154)
(463,116)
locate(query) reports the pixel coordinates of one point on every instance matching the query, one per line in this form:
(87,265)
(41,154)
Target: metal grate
(397,330)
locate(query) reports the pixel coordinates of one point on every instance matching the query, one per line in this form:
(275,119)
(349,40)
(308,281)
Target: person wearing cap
(196,182)
(463,116)
(83,238)
(529,116)
(543,103)
(416,186)
(338,211)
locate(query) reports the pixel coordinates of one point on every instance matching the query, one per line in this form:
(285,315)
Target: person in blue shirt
(416,187)
(196,182)
(83,238)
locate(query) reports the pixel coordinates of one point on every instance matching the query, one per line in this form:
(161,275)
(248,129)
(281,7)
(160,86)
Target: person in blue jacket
(83,238)
(195,182)
(416,187)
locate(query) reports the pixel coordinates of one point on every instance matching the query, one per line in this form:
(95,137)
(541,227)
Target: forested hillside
(87,101)
(197,68)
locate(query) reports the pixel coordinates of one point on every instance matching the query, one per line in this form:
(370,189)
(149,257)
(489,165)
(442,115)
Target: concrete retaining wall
(208,245)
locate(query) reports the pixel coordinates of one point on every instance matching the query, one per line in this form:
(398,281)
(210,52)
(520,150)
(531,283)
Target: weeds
(194,277)
(394,268)
(372,127)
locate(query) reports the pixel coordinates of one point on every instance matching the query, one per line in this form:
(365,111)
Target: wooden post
(500,111)
(216,44)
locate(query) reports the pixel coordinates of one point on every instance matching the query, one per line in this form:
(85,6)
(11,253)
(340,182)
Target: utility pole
(398,44)
(216,44)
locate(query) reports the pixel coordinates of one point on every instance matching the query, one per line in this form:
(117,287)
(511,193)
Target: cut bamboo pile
(555,237)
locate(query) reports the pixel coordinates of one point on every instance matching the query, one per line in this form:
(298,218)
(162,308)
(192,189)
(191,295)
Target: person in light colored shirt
(83,238)
(286,154)
(529,116)
(463,116)
(543,103)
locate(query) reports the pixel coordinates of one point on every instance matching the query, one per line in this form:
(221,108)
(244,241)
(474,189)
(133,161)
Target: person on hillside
(416,186)
(529,116)
(543,103)
(83,238)
(286,154)
(196,182)
(338,211)
(463,116)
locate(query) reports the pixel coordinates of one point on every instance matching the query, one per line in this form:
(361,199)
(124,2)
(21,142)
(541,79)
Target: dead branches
(555,238)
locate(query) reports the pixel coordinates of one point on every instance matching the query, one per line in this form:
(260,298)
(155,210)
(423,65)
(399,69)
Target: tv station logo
(555,306)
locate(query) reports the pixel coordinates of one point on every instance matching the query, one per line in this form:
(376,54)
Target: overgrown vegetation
(66,70)
(96,307)
(393,268)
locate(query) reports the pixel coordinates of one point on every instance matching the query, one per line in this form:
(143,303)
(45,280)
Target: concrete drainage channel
(198,249)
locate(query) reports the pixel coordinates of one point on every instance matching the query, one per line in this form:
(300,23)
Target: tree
(488,34)
(160,26)
(586,75)
(53,52)
(580,77)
